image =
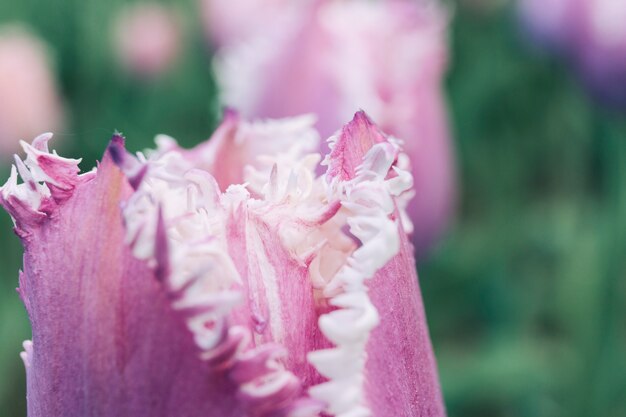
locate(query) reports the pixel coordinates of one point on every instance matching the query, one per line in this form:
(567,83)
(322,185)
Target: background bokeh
(526,295)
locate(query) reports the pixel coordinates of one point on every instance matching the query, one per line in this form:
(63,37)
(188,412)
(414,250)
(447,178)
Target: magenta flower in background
(29,99)
(147,39)
(330,57)
(226,280)
(549,22)
(591,34)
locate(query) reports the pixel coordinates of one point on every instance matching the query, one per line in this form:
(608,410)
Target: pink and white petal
(281,305)
(380,311)
(238,146)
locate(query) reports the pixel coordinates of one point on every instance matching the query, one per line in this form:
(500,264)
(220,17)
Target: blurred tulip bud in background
(602,49)
(548,22)
(330,58)
(229,21)
(29,98)
(227,280)
(591,34)
(147,39)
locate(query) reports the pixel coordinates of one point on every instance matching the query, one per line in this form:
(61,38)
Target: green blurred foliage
(525,296)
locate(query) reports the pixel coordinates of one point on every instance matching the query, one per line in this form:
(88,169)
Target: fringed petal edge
(48,180)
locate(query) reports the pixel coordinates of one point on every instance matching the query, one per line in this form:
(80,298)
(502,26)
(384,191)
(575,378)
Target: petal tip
(117,148)
(134,170)
(349,147)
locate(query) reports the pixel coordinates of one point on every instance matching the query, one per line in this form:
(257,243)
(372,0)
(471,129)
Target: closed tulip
(225,280)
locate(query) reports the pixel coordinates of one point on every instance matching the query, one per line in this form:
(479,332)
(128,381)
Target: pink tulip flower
(29,99)
(147,38)
(228,280)
(385,57)
(589,33)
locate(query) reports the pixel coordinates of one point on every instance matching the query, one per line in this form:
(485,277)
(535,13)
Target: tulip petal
(380,313)
(403,335)
(105,340)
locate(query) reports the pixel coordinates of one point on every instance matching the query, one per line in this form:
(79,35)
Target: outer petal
(105,340)
(408,384)
(414,389)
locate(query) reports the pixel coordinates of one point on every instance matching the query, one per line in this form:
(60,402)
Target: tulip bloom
(386,57)
(591,34)
(29,99)
(147,39)
(212,282)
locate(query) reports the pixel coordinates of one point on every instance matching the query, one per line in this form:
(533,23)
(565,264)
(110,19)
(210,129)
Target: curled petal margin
(48,180)
(369,196)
